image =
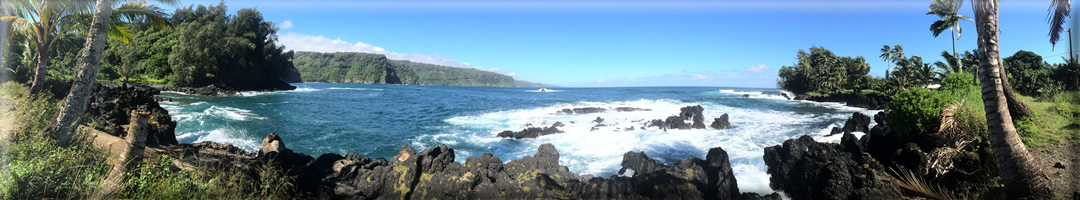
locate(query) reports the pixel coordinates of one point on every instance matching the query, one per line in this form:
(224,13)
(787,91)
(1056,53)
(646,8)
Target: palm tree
(950,18)
(46,21)
(951,65)
(102,24)
(1022,177)
(887,56)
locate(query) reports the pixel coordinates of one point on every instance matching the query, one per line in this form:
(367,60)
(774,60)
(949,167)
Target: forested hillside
(351,67)
(442,75)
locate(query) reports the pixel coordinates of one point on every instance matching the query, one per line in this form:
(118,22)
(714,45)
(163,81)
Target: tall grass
(161,180)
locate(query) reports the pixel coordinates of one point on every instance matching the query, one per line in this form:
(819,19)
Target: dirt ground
(1061,163)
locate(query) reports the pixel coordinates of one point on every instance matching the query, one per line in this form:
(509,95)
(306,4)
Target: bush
(958,81)
(916,111)
(161,180)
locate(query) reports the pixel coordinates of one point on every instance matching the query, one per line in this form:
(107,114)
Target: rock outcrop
(531,132)
(806,169)
(110,108)
(693,113)
(857,123)
(721,122)
(871,101)
(433,174)
(585,110)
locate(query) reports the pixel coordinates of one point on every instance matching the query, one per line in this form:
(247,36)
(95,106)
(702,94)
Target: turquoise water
(375,120)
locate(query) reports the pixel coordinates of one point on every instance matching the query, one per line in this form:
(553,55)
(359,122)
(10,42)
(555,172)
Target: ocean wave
(600,151)
(221,135)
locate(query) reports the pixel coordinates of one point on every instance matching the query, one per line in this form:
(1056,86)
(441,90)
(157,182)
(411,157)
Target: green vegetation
(442,75)
(33,167)
(917,111)
(821,71)
(204,46)
(1032,76)
(351,67)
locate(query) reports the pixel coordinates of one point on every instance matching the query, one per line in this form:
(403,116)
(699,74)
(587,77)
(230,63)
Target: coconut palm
(1022,177)
(887,56)
(951,65)
(950,18)
(46,21)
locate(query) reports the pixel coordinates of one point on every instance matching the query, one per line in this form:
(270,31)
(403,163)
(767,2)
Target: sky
(602,43)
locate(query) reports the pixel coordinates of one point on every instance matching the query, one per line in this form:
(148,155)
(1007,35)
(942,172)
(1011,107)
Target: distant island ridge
(355,67)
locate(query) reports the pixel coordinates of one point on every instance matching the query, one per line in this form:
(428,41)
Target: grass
(33,167)
(1054,121)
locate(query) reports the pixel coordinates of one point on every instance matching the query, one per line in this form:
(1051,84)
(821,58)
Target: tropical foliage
(821,71)
(442,75)
(46,23)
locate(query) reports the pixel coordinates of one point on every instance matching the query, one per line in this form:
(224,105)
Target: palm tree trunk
(1023,179)
(40,72)
(953,31)
(73,107)
(1018,109)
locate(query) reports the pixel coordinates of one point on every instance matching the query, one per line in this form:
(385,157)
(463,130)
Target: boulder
(721,122)
(857,123)
(598,120)
(806,169)
(693,113)
(271,143)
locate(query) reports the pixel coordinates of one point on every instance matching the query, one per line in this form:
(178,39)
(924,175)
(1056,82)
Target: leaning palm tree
(1022,177)
(950,18)
(46,21)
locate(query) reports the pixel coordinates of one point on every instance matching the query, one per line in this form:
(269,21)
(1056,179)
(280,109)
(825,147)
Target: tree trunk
(130,157)
(73,107)
(1022,177)
(1018,109)
(953,31)
(40,72)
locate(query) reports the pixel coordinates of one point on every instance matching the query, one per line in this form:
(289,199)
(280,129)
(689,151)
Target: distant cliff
(352,67)
(349,67)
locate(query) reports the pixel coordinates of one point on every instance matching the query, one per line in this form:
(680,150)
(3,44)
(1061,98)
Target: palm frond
(141,12)
(1057,13)
(918,186)
(940,26)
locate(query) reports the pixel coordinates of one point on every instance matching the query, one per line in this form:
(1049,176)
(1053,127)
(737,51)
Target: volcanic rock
(721,122)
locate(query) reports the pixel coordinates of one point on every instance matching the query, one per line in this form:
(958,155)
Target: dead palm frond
(917,186)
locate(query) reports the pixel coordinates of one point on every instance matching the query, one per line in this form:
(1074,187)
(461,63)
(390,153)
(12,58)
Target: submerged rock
(585,110)
(531,132)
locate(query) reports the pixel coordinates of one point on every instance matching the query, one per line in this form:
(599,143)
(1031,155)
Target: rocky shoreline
(855,168)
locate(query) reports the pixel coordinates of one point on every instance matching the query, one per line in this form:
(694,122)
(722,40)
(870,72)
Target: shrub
(161,180)
(958,81)
(916,111)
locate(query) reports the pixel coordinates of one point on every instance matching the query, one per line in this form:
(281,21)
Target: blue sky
(731,43)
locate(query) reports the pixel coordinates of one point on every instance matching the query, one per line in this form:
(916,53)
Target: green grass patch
(1054,121)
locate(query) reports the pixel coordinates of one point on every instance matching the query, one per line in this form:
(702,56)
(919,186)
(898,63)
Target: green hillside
(351,67)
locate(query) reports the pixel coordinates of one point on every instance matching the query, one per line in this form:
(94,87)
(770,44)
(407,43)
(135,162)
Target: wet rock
(585,110)
(531,132)
(872,101)
(598,120)
(631,109)
(857,123)
(676,122)
(110,105)
(721,122)
(693,113)
(557,124)
(836,130)
(806,169)
(777,93)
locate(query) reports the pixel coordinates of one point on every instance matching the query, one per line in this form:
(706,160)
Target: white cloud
(758,69)
(286,25)
(699,77)
(301,42)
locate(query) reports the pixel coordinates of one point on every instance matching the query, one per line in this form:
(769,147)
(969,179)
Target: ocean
(376,120)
